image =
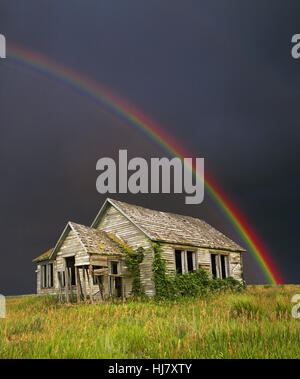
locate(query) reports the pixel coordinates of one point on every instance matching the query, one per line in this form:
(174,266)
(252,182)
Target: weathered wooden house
(90,261)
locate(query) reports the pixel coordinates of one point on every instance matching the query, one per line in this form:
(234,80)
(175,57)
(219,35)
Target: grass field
(256,323)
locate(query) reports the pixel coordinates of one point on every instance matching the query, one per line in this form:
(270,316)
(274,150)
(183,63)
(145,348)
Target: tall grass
(256,323)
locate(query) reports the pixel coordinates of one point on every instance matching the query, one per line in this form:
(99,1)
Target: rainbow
(130,114)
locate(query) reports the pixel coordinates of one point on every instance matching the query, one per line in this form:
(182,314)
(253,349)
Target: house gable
(111,220)
(166,227)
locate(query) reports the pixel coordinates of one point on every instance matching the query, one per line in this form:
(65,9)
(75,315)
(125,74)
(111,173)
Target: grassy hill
(256,323)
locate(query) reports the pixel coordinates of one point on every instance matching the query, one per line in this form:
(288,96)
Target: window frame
(112,277)
(184,260)
(47,275)
(219,268)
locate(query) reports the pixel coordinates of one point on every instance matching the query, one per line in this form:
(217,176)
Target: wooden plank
(100,284)
(67,284)
(59,287)
(91,283)
(77,284)
(84,284)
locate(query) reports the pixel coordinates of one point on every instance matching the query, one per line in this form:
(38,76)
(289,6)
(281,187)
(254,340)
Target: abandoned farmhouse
(90,261)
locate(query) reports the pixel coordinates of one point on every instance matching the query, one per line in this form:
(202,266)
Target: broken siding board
(236,266)
(71,246)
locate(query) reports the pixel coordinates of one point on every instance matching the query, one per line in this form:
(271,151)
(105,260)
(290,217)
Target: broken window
(224,266)
(51,275)
(114,268)
(70,264)
(190,261)
(115,279)
(47,275)
(44,276)
(185,261)
(219,266)
(178,260)
(214,265)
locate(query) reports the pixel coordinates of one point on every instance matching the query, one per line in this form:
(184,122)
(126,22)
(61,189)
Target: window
(224,266)
(214,265)
(115,279)
(114,268)
(44,276)
(178,261)
(219,266)
(70,264)
(47,275)
(185,261)
(190,261)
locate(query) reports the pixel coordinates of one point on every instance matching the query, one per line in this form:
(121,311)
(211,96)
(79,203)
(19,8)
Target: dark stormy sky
(218,75)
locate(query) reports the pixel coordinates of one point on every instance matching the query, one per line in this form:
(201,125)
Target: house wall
(72,247)
(45,291)
(203,259)
(114,222)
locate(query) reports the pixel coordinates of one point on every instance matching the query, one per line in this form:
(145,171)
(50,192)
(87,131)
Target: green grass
(256,323)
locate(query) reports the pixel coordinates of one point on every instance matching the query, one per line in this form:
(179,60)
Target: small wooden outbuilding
(90,261)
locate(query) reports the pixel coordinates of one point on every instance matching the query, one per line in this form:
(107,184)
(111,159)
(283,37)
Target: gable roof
(172,228)
(97,241)
(93,241)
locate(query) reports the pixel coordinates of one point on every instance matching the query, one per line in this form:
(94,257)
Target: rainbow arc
(123,109)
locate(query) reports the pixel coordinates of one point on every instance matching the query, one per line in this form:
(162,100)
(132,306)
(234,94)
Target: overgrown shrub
(188,285)
(164,285)
(193,283)
(133,261)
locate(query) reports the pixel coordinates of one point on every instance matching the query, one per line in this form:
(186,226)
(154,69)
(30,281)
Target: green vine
(133,261)
(164,284)
(190,284)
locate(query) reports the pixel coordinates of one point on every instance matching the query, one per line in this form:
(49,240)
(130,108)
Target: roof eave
(201,246)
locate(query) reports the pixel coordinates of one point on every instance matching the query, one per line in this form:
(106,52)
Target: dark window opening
(178,261)
(214,265)
(190,263)
(44,276)
(51,275)
(114,268)
(223,266)
(47,275)
(70,263)
(118,287)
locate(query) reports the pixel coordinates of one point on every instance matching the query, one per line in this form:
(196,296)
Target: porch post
(59,286)
(91,283)
(77,284)
(67,284)
(84,283)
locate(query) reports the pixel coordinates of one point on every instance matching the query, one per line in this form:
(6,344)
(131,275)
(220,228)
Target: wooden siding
(114,222)
(203,259)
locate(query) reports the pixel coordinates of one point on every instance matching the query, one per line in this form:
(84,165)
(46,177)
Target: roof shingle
(175,228)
